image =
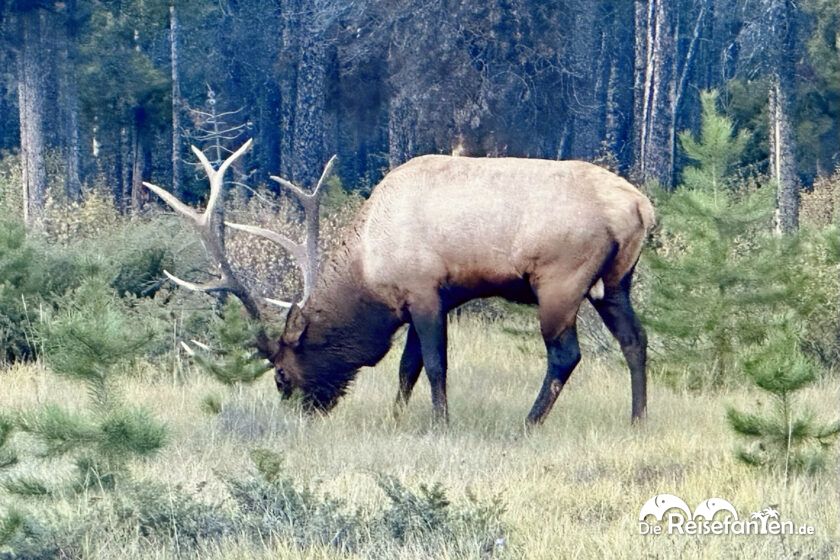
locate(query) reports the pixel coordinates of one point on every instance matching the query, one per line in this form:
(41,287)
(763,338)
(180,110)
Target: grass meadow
(571,489)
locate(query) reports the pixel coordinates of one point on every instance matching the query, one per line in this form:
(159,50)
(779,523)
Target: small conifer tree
(231,358)
(231,362)
(715,271)
(717,150)
(91,340)
(783,437)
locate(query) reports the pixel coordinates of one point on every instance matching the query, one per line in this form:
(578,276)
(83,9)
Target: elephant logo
(660,504)
(707,509)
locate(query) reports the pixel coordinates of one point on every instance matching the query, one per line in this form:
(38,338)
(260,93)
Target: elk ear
(295,326)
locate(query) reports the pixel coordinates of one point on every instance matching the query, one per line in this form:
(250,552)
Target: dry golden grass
(573,488)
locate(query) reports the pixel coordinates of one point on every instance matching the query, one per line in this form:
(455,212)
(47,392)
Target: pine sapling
(231,360)
(718,276)
(91,340)
(783,436)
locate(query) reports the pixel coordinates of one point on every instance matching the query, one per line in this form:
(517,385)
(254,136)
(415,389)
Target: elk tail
(597,290)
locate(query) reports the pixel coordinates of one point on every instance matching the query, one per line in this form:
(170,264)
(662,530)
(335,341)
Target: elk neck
(347,326)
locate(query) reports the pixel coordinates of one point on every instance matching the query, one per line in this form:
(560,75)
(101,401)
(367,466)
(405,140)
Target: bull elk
(437,232)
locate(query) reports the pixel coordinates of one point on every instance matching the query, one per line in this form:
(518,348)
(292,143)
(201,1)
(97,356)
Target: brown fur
(439,231)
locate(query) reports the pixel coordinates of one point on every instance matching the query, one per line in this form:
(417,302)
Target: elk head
(211,227)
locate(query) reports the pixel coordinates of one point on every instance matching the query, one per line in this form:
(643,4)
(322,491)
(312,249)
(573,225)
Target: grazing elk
(439,231)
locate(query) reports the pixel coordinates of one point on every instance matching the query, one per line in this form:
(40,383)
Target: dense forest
(117,91)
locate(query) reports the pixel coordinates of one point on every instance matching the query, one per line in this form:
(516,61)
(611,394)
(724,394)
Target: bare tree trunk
(782,158)
(401,130)
(140,154)
(120,191)
(69,96)
(308,147)
(586,108)
(780,109)
(176,102)
(640,19)
(31,94)
(654,88)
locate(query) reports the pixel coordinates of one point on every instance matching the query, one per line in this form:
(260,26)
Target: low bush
(265,507)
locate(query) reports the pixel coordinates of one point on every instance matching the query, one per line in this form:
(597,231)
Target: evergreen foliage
(782,437)
(717,150)
(91,340)
(232,359)
(714,269)
(30,276)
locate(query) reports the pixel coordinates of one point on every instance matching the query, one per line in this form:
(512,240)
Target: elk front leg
(563,355)
(430,322)
(410,365)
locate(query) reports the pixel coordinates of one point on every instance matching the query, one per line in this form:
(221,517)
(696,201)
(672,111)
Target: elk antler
(210,227)
(305,253)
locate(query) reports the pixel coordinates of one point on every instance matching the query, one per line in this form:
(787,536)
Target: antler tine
(205,163)
(218,177)
(173,202)
(234,156)
(324,174)
(210,287)
(278,302)
(296,249)
(299,193)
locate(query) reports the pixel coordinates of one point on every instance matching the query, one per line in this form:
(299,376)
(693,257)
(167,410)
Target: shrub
(719,281)
(31,275)
(90,340)
(264,266)
(783,438)
(11,195)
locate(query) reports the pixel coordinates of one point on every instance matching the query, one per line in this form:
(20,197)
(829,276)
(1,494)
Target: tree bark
(654,88)
(782,158)
(176,102)
(308,145)
(587,105)
(780,108)
(69,95)
(140,159)
(120,191)
(31,97)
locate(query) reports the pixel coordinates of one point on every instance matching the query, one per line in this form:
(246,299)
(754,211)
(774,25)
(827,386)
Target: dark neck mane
(347,327)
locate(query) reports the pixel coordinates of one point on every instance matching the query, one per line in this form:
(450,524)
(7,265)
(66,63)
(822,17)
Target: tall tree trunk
(402,144)
(587,61)
(269,116)
(780,107)
(176,101)
(69,96)
(782,158)
(304,93)
(31,98)
(140,155)
(308,147)
(684,69)
(120,191)
(654,88)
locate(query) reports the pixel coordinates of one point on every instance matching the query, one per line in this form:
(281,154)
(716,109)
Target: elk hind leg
(430,322)
(617,312)
(411,364)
